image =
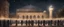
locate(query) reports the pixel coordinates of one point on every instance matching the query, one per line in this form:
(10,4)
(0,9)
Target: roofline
(30,11)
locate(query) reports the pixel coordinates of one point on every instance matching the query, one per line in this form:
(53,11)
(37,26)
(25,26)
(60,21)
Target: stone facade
(4,8)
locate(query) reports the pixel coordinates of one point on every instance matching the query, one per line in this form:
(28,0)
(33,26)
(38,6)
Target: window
(23,16)
(38,16)
(30,17)
(27,16)
(42,16)
(34,16)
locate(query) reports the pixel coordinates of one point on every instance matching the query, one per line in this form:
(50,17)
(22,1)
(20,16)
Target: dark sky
(42,4)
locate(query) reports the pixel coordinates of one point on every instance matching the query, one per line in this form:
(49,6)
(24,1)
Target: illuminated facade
(31,15)
(30,12)
(25,15)
(50,12)
(4,9)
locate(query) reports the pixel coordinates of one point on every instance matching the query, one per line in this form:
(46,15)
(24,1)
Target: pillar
(50,11)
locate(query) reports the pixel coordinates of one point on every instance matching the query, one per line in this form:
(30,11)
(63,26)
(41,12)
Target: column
(50,11)
(50,14)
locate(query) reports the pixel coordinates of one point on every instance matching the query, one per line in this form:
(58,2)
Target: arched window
(27,17)
(38,16)
(18,16)
(42,16)
(34,16)
(23,16)
(30,16)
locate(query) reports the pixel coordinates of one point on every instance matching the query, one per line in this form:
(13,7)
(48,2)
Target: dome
(28,8)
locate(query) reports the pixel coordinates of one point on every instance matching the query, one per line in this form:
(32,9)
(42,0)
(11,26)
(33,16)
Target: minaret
(50,11)
(4,8)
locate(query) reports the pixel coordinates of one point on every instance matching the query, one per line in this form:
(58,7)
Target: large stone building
(4,8)
(30,12)
(31,15)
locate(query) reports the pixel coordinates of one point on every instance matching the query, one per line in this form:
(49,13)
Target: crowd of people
(7,23)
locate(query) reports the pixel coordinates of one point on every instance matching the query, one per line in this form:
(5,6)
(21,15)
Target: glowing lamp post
(50,11)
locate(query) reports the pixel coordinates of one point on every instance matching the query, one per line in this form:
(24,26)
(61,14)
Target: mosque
(31,12)
(29,16)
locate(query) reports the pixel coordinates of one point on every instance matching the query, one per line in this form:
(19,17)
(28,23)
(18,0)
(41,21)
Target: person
(0,23)
(26,22)
(32,23)
(16,22)
(43,22)
(21,22)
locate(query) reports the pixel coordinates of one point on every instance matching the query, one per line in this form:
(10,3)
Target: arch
(38,16)
(42,16)
(34,16)
(26,16)
(30,16)
(23,16)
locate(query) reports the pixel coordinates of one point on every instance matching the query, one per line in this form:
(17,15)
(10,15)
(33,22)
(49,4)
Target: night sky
(42,4)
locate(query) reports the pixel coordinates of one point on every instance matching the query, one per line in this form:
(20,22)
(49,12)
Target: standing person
(0,23)
(32,23)
(43,22)
(21,22)
(26,22)
(16,22)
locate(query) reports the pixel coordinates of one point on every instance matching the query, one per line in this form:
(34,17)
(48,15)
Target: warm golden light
(50,8)
(50,11)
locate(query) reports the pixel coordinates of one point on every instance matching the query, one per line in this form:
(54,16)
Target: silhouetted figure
(29,22)
(50,22)
(8,23)
(21,22)
(0,23)
(61,23)
(4,23)
(32,23)
(44,22)
(16,22)
(58,22)
(26,22)
(38,22)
